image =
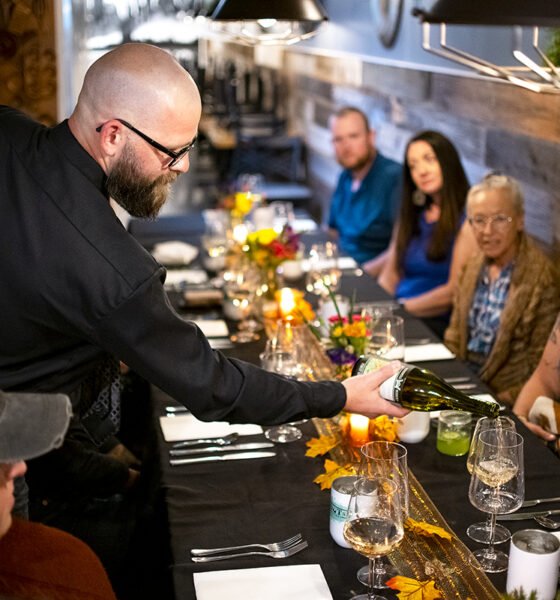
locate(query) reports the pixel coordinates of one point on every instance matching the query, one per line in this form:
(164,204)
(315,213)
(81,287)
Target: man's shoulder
(15,124)
(388,165)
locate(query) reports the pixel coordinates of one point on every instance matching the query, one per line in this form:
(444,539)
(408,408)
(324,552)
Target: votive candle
(359,430)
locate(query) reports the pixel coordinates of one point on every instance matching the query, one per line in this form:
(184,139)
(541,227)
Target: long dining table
(228,503)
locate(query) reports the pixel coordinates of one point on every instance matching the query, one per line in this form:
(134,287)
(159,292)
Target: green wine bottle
(420,389)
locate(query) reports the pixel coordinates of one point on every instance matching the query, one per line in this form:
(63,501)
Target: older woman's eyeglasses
(498,222)
(175,155)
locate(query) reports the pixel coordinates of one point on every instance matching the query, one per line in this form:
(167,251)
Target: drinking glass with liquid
(454,432)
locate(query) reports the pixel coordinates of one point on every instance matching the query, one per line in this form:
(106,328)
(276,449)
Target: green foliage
(521,595)
(553,51)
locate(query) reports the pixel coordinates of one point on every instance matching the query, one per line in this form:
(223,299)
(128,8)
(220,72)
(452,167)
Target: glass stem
(492,527)
(371,578)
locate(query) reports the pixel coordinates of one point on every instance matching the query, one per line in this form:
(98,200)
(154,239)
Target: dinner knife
(528,515)
(230,448)
(538,501)
(219,457)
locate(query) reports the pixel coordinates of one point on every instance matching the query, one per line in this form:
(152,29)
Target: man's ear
(111,138)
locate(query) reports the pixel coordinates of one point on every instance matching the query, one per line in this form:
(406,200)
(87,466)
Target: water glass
(387,337)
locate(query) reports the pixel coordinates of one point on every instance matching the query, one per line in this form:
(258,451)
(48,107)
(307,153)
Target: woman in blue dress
(432,240)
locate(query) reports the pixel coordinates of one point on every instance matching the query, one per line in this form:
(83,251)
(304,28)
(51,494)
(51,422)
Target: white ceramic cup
(341,491)
(534,557)
(414,427)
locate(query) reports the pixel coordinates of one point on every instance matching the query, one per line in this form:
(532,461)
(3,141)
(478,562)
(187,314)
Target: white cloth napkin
(213,328)
(343,263)
(174,253)
(188,427)
(414,354)
(293,582)
(192,276)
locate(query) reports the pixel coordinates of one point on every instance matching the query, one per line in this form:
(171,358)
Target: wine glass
(480,532)
(240,289)
(387,460)
(323,272)
(374,523)
(497,486)
(387,337)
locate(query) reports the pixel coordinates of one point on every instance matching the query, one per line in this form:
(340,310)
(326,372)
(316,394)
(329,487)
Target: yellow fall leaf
(321,445)
(332,471)
(412,589)
(383,428)
(426,529)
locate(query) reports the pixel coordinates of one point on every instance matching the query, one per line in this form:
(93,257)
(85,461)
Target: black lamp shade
(281,10)
(533,13)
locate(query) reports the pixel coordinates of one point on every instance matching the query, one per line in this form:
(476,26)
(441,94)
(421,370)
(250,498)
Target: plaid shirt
(486,309)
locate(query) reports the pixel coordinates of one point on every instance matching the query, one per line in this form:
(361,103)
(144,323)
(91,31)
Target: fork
(275,554)
(274,546)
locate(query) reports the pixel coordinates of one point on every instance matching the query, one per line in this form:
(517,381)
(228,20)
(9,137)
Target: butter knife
(538,501)
(528,515)
(219,457)
(231,448)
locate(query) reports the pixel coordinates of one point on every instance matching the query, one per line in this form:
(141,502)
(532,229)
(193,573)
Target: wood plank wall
(495,126)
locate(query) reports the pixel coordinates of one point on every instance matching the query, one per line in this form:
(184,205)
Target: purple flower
(339,356)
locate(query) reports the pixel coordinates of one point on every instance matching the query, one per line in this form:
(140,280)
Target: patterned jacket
(529,313)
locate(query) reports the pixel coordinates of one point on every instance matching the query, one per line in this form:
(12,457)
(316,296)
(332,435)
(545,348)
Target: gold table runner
(444,561)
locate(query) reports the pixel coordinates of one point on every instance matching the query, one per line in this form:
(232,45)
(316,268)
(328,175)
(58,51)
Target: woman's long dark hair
(453,199)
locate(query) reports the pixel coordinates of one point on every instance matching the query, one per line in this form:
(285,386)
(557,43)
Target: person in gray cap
(38,561)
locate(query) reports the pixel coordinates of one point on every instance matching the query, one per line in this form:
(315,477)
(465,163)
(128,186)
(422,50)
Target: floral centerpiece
(268,249)
(348,338)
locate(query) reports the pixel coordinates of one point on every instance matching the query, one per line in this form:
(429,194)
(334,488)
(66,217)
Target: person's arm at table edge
(545,381)
(389,276)
(374,266)
(440,299)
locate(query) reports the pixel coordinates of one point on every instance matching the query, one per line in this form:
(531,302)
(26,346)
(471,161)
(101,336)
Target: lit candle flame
(287,302)
(359,430)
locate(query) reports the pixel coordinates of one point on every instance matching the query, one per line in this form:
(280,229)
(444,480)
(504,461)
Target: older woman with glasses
(508,295)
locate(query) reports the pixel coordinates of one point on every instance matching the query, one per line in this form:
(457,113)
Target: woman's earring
(418,198)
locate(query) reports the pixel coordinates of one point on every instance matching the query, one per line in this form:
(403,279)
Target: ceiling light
(526,72)
(278,22)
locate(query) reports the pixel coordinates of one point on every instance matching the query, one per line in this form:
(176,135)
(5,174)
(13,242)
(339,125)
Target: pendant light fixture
(272,22)
(527,72)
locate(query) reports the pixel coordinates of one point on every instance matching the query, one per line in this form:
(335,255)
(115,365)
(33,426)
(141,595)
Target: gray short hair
(498,181)
(349,110)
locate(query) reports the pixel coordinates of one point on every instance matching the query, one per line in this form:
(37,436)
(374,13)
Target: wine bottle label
(398,384)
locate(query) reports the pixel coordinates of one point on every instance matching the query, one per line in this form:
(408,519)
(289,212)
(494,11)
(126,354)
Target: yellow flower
(356,329)
(243,202)
(337,331)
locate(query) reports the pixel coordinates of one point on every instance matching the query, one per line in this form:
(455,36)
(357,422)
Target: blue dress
(420,274)
(364,218)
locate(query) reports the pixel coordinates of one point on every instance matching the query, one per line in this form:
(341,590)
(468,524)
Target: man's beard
(136,193)
(358,163)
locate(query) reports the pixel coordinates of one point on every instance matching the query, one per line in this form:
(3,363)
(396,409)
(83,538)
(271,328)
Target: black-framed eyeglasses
(175,155)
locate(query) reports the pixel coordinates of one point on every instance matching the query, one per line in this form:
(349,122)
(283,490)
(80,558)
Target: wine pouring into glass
(497,486)
(480,532)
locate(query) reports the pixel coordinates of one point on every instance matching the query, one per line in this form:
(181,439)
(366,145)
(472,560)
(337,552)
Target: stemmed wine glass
(374,523)
(497,486)
(323,273)
(480,532)
(387,337)
(240,288)
(387,460)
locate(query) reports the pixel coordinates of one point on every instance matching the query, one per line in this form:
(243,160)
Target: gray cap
(31,424)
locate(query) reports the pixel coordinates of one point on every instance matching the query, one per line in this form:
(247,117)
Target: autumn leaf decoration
(426,529)
(383,428)
(321,445)
(332,471)
(412,589)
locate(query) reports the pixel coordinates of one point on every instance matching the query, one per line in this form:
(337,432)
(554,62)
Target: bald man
(79,293)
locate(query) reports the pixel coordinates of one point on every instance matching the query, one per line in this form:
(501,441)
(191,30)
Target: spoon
(217,441)
(547,522)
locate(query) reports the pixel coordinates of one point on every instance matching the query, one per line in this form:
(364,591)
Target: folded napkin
(302,225)
(414,354)
(188,427)
(343,262)
(192,276)
(293,582)
(213,328)
(174,253)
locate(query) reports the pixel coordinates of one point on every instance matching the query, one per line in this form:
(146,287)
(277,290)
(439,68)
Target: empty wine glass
(240,287)
(497,486)
(323,271)
(480,532)
(374,524)
(387,337)
(387,460)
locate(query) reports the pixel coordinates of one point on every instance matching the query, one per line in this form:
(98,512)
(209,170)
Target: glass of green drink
(454,432)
